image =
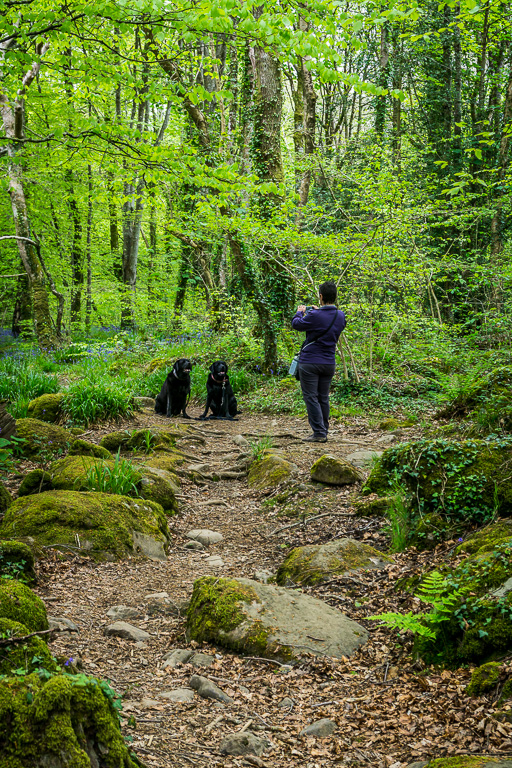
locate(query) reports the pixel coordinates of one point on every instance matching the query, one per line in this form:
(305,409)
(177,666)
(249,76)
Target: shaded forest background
(184,167)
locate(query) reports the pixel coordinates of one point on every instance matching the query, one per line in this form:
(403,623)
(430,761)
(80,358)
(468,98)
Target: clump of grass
(398,514)
(122,478)
(86,403)
(21,381)
(258,447)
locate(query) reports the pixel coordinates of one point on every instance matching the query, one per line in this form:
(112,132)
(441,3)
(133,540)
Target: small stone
(214,561)
(149,703)
(194,545)
(286,703)
(241,441)
(152,548)
(320,728)
(156,596)
(363,458)
(61,624)
(205,536)
(120,612)
(208,690)
(165,606)
(333,471)
(245,743)
(181,695)
(126,631)
(385,440)
(201,660)
(179,656)
(263,576)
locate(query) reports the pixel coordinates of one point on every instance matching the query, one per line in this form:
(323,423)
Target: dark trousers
(315,382)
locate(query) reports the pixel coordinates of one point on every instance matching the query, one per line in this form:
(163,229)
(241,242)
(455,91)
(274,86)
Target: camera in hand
(308,309)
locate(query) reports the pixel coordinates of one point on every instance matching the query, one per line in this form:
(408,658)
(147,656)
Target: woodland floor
(390,710)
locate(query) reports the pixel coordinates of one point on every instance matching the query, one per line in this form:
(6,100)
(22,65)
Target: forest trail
(389,711)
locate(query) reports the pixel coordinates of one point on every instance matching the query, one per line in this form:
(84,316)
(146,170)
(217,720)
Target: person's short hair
(328,292)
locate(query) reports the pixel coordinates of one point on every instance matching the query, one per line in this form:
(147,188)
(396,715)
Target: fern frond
(404,622)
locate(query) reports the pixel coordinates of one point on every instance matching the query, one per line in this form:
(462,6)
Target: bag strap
(323,333)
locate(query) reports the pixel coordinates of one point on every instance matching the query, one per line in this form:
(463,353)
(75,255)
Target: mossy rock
(488,538)
(17,561)
(70,473)
(46,408)
(269,471)
(114,441)
(470,761)
(316,563)
(265,620)
(467,480)
(67,721)
(36,481)
(105,524)
(160,486)
(374,507)
(85,448)
(388,425)
(332,470)
(167,461)
(19,603)
(28,656)
(484,679)
(42,438)
(429,530)
(5,498)
(155,438)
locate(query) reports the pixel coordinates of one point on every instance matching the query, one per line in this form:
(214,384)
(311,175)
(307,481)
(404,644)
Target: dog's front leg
(168,407)
(206,408)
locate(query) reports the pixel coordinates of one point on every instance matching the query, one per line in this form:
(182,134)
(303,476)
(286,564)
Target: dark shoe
(315,439)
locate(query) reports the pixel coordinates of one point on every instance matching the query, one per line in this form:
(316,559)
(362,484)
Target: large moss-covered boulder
(28,655)
(465,480)
(98,524)
(85,448)
(40,438)
(114,441)
(5,498)
(265,620)
(269,471)
(160,486)
(67,721)
(487,538)
(17,561)
(19,603)
(46,408)
(334,471)
(71,472)
(321,562)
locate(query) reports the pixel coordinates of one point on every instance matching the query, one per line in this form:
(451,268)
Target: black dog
(175,392)
(220,397)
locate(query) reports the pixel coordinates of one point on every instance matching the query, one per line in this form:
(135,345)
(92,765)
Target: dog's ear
(212,368)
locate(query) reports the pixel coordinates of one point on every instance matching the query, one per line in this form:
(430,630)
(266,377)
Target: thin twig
(11,640)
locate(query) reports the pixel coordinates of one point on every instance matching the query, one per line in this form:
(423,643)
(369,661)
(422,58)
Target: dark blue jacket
(314,322)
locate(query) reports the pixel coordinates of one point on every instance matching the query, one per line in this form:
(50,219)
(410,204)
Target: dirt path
(389,711)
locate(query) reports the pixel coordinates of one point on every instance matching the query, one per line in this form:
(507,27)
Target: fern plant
(440,594)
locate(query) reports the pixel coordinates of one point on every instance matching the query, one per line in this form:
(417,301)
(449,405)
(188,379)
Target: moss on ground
(84,448)
(36,481)
(114,441)
(373,507)
(19,603)
(488,538)
(103,522)
(68,720)
(40,438)
(5,498)
(462,761)
(28,656)
(17,561)
(46,408)
(269,471)
(484,679)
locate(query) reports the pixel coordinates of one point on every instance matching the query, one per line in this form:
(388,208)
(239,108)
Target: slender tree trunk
(380,106)
(22,314)
(76,254)
(457,94)
(503,161)
(13,118)
(88,300)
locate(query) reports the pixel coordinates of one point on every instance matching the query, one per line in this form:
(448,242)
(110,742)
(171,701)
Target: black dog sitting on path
(174,395)
(220,396)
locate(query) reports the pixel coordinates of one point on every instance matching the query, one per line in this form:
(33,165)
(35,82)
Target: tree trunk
(503,160)
(22,315)
(380,106)
(76,254)
(13,118)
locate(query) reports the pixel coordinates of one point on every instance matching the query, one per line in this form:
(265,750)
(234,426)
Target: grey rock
(245,743)
(152,548)
(149,703)
(504,589)
(363,458)
(121,612)
(241,441)
(208,690)
(263,576)
(127,631)
(201,660)
(205,536)
(320,728)
(61,624)
(214,561)
(194,545)
(144,402)
(156,596)
(286,703)
(164,606)
(294,623)
(181,695)
(179,656)
(385,439)
(418,764)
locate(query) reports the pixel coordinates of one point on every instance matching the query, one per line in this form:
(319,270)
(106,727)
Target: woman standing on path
(317,363)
